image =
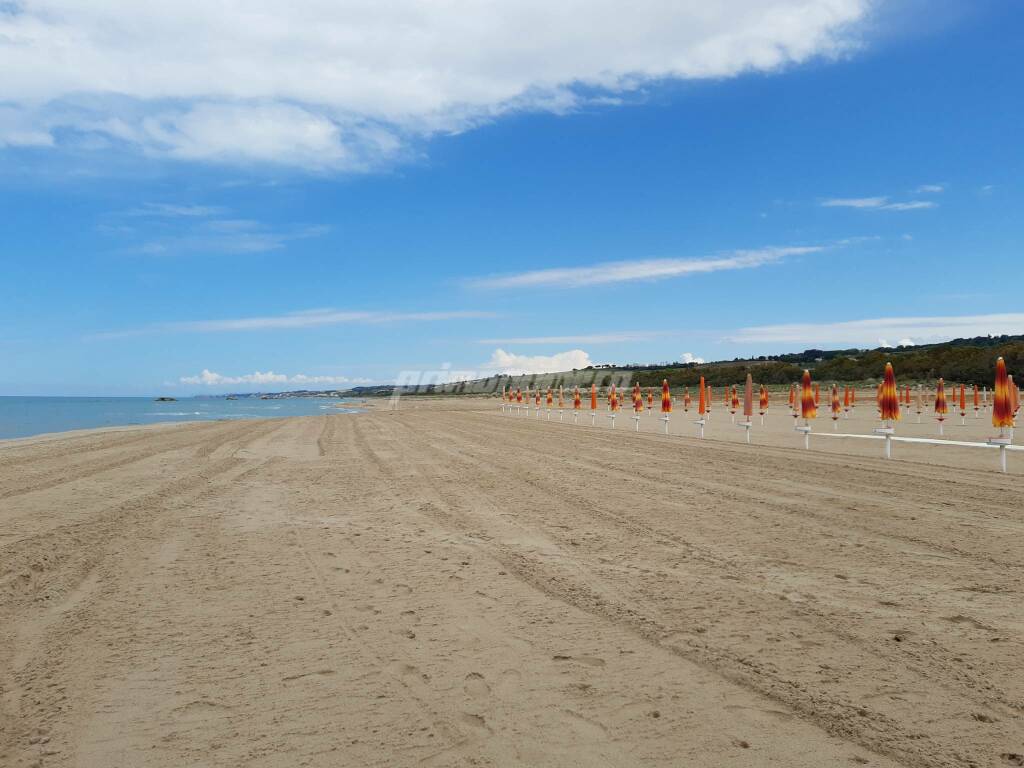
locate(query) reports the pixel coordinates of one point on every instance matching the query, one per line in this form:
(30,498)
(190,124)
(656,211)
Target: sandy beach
(444,585)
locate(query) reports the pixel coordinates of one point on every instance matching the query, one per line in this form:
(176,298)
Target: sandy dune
(444,585)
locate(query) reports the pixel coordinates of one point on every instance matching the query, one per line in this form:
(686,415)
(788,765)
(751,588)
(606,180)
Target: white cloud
(930,188)
(346,84)
(517,365)
(210,379)
(595,338)
(877,204)
(689,357)
(312,318)
(648,269)
(872,332)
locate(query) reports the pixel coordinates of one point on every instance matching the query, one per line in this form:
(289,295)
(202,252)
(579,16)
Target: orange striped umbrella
(577,401)
(846,398)
(519,395)
(550,398)
(593,397)
(792,396)
(764,400)
(726,399)
(613,399)
(650,399)
(977,399)
(748,398)
(666,397)
(686,399)
(1002,399)
(638,399)
(536,394)
(835,402)
(735,399)
(701,404)
(940,400)
(561,398)
(817,395)
(888,402)
(808,408)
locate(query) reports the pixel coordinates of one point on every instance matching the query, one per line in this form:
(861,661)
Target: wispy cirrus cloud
(170,229)
(312,318)
(930,189)
(877,204)
(645,269)
(592,338)
(875,331)
(209,378)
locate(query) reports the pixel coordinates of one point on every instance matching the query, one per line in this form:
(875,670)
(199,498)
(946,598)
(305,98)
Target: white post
(560,412)
(636,420)
(593,415)
(665,419)
(612,417)
(700,425)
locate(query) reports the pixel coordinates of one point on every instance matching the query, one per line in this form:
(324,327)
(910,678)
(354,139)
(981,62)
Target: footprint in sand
(589,661)
(476,686)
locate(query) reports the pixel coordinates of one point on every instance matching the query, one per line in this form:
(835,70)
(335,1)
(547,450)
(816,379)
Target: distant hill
(964,361)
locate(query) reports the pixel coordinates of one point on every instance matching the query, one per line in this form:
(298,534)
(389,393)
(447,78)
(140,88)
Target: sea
(27,416)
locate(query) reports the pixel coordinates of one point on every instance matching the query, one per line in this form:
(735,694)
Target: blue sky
(848,175)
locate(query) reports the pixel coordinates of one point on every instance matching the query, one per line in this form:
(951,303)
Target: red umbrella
(808,408)
(638,399)
(593,397)
(702,406)
(666,397)
(613,399)
(1002,400)
(888,403)
(650,399)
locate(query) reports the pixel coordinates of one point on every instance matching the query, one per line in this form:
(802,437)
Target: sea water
(25,416)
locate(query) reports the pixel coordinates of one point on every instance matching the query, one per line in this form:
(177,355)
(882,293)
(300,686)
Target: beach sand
(444,585)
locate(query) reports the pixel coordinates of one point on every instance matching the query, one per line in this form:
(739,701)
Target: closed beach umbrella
(577,401)
(613,399)
(808,408)
(963,401)
(686,399)
(1002,399)
(817,395)
(853,397)
(792,396)
(763,400)
(537,396)
(702,406)
(551,398)
(561,397)
(593,397)
(650,399)
(519,396)
(638,399)
(836,407)
(710,396)
(735,398)
(846,398)
(666,397)
(748,398)
(1014,395)
(888,403)
(941,409)
(729,399)
(977,400)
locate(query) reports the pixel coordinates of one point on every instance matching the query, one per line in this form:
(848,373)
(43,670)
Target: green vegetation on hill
(967,361)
